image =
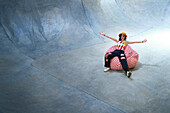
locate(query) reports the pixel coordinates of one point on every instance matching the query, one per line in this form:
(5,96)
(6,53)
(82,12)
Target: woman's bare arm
(129,42)
(114,39)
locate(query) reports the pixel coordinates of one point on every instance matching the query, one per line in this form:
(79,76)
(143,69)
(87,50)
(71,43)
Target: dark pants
(122,58)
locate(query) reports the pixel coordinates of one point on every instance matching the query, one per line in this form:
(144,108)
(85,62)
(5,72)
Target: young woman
(119,52)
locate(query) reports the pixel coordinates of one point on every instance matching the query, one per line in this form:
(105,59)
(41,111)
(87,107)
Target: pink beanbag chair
(131,55)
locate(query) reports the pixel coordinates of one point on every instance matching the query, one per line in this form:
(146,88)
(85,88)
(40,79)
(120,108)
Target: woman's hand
(144,41)
(102,33)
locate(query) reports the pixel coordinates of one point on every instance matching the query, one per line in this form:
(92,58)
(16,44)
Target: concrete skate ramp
(39,27)
(147,12)
(51,56)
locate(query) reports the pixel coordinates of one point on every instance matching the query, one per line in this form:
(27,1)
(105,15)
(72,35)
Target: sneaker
(107,69)
(128,73)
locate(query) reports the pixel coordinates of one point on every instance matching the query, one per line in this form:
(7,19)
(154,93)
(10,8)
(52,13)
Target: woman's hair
(120,37)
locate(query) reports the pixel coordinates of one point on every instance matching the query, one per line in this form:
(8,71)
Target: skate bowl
(51,56)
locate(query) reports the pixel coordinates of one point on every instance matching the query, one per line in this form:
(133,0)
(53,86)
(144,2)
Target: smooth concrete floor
(146,92)
(74,81)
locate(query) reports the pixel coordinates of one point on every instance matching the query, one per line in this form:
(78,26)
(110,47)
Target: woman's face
(122,37)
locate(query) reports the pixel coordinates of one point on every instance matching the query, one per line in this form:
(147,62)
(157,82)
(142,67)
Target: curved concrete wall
(38,28)
(147,12)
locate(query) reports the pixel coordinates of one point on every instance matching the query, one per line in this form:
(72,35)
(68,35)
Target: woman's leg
(124,64)
(108,58)
(123,60)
